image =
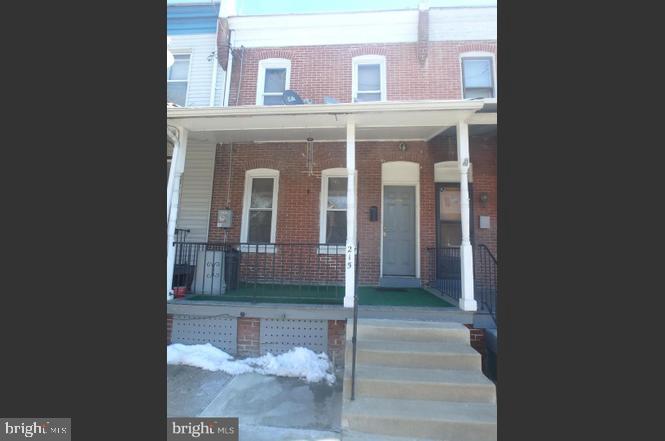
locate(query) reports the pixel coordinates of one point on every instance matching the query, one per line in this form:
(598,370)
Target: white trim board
(396,26)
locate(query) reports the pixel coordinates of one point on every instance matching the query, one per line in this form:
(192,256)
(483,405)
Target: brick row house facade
(346,153)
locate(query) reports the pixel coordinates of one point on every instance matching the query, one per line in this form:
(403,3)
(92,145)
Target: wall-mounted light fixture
(402,146)
(483,199)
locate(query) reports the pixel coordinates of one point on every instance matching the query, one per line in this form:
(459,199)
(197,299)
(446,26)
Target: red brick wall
(299,196)
(336,341)
(317,71)
(477,337)
(249,335)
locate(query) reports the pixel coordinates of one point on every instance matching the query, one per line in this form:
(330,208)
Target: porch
(266,252)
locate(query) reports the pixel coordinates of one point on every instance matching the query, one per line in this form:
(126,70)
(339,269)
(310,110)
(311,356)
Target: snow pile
(205,357)
(298,362)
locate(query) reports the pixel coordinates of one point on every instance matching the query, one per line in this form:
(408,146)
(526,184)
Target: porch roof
(389,120)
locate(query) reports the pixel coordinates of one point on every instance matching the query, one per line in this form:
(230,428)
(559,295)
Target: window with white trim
(259,220)
(333,207)
(478,77)
(274,77)
(177,80)
(369,78)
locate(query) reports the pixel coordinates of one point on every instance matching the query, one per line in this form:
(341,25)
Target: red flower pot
(179,292)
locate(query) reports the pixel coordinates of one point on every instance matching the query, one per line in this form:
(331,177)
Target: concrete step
(415,354)
(408,330)
(420,384)
(399,282)
(438,420)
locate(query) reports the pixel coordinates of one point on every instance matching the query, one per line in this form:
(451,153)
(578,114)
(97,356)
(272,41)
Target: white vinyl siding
(196,191)
(200,47)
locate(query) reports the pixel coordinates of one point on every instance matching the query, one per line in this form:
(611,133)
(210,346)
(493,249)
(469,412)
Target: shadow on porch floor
(328,295)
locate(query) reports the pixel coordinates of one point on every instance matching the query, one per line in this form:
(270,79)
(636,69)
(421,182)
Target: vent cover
(281,335)
(220,332)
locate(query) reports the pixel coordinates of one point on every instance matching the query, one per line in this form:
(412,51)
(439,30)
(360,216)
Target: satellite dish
(290,97)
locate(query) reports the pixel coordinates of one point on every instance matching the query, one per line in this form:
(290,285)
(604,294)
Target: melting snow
(298,362)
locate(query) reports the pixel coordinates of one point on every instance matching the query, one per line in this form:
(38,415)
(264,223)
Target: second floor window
(478,77)
(177,77)
(369,78)
(273,79)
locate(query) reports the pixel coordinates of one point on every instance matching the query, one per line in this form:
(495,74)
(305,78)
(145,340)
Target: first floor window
(177,80)
(259,220)
(477,75)
(333,206)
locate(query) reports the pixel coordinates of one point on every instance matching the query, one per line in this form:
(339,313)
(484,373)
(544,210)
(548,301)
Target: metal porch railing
(486,286)
(446,274)
(269,272)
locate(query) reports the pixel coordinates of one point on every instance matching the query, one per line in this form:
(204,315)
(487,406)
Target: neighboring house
(194,79)
(385,178)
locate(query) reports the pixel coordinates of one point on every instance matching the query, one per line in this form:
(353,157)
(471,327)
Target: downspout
(213,85)
(229,68)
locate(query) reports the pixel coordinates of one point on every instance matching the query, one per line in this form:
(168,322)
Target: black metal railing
(269,272)
(355,324)
(485,286)
(446,273)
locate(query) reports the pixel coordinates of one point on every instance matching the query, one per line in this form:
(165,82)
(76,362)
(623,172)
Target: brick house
(348,152)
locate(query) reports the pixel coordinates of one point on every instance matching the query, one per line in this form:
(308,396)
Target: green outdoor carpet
(327,295)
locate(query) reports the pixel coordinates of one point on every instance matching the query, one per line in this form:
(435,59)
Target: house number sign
(349,256)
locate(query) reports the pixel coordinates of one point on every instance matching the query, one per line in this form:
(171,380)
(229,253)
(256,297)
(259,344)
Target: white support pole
(351,210)
(177,168)
(467,301)
(173,135)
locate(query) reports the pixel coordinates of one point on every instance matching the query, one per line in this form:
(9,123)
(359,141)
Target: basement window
(478,77)
(369,78)
(272,80)
(177,80)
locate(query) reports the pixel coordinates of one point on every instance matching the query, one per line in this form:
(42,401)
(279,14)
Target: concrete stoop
(416,380)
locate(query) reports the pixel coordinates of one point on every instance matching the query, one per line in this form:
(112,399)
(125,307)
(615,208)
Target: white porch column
(467,301)
(351,210)
(173,202)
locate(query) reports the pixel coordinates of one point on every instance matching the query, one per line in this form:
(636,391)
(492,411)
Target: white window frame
(271,63)
(364,60)
(325,175)
(476,54)
(177,53)
(247,197)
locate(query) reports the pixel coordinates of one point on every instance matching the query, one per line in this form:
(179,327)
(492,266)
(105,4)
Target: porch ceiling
(419,120)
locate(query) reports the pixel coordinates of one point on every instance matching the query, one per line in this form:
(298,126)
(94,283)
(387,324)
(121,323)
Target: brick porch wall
(318,71)
(169,328)
(249,335)
(336,341)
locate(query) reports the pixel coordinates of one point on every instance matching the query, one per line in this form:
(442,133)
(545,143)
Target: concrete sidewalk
(268,408)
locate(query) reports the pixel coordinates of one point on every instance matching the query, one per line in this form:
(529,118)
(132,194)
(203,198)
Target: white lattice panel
(218,331)
(280,335)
